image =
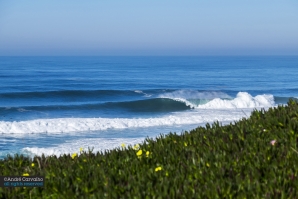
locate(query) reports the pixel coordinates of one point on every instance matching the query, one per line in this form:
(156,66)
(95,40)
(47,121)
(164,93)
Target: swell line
(149,105)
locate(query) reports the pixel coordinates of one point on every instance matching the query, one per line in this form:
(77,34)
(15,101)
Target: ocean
(56,105)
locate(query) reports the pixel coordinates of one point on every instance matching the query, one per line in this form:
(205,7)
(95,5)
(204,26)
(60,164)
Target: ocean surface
(55,105)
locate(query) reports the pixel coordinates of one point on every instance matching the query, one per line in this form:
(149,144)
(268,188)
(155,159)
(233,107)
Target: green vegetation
(252,158)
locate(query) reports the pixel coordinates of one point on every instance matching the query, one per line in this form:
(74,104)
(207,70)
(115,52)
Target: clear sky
(148,27)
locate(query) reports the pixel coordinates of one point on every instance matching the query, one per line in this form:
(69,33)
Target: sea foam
(66,125)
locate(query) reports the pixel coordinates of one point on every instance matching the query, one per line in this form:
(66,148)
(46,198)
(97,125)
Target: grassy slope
(233,161)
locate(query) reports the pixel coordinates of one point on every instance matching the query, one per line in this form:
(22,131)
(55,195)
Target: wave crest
(242,100)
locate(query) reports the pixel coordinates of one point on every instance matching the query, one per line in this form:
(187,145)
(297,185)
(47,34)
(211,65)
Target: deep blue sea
(55,105)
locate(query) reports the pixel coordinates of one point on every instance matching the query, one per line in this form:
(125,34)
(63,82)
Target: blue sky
(155,27)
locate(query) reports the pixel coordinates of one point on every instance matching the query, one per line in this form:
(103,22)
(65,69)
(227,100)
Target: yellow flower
(25,174)
(147,154)
(140,152)
(74,155)
(136,147)
(185,144)
(123,145)
(207,164)
(157,169)
(81,149)
(32,164)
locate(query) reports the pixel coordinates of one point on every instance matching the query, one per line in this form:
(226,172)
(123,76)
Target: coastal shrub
(256,157)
